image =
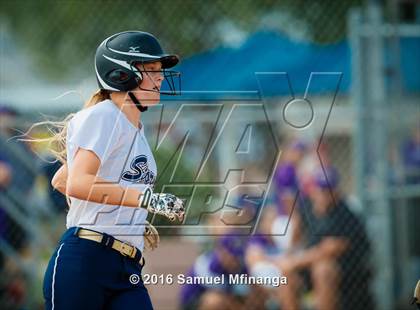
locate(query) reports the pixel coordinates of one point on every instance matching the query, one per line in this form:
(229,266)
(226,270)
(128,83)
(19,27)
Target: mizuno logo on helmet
(134,49)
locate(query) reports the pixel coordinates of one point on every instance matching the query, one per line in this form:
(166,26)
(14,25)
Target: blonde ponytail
(99,96)
(56,143)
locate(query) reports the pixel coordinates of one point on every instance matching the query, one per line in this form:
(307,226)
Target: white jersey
(126,159)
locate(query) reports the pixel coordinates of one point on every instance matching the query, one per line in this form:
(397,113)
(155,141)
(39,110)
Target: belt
(125,249)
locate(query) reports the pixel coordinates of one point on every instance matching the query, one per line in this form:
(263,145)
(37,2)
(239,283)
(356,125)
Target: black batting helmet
(117,55)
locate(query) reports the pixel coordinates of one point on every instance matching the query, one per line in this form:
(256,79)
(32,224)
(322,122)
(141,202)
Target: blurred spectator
(411,157)
(317,155)
(262,254)
(287,187)
(57,199)
(226,258)
(9,229)
(7,120)
(285,178)
(14,151)
(12,284)
(278,228)
(411,162)
(12,287)
(22,181)
(5,175)
(334,262)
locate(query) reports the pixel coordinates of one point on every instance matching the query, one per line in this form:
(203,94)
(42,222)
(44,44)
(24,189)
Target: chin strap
(137,103)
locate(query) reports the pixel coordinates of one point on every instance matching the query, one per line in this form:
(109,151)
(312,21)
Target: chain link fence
(61,37)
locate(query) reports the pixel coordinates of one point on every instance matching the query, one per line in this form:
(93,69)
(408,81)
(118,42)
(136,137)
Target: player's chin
(153,101)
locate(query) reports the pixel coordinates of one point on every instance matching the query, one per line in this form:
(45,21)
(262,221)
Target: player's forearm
(94,189)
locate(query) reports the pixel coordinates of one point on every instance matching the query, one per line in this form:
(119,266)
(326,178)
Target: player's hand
(167,205)
(151,237)
(164,204)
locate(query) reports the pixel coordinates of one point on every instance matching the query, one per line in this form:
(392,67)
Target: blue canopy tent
(233,69)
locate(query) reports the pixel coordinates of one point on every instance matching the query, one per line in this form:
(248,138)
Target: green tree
(61,36)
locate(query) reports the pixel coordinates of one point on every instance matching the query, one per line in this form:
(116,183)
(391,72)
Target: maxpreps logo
(139,171)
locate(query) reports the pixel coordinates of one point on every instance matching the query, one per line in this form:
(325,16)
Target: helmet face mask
(117,56)
(172,80)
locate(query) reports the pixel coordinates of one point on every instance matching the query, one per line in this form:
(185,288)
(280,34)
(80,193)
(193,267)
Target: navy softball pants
(83,274)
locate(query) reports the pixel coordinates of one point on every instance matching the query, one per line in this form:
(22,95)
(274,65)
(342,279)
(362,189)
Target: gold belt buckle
(128,250)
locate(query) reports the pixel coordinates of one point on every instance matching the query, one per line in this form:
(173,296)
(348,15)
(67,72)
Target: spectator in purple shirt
(335,258)
(285,178)
(226,258)
(411,162)
(411,157)
(287,188)
(5,175)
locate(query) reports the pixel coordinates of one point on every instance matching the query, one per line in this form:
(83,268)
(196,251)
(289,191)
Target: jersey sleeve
(96,131)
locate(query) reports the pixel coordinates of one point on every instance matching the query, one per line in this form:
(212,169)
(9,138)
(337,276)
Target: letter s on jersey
(139,171)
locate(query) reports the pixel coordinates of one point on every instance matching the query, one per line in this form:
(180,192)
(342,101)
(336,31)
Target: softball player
(108,175)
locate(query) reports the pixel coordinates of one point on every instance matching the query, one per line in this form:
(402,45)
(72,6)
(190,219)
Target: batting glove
(164,204)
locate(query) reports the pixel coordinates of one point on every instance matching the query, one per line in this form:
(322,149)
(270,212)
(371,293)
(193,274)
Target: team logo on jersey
(139,171)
